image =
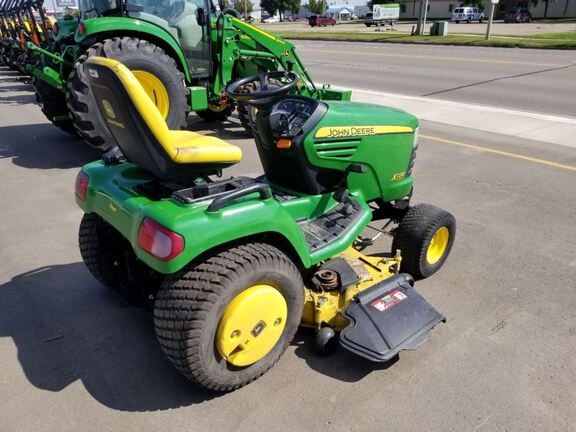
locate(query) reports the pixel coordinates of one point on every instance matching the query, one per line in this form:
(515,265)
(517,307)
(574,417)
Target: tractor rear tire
(246,113)
(112,261)
(190,306)
(53,104)
(244,116)
(424,236)
(137,55)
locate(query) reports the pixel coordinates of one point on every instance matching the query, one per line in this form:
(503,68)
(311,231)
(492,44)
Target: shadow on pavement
(44,146)
(67,327)
(22,99)
(227,130)
(342,365)
(14,88)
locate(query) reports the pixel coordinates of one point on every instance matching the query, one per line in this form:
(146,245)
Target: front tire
(195,310)
(156,71)
(425,236)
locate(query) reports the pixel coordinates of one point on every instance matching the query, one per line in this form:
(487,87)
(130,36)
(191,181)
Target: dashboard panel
(289,116)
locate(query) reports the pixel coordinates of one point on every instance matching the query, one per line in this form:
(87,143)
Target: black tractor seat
(141,133)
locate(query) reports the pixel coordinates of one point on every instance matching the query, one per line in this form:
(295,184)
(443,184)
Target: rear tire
(190,305)
(112,261)
(136,54)
(244,116)
(53,104)
(425,236)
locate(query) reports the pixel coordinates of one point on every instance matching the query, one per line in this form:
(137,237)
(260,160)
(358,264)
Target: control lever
(342,194)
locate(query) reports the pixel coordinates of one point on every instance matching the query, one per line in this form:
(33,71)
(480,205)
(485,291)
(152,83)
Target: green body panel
(66,26)
(97,27)
(386,156)
(112,196)
(198,98)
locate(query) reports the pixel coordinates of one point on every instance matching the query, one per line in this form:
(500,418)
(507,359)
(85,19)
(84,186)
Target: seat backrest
(135,123)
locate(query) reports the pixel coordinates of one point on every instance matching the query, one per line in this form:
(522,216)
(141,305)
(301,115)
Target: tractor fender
(205,231)
(97,29)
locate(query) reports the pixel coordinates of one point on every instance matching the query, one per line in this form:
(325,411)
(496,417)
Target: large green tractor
(56,62)
(183,52)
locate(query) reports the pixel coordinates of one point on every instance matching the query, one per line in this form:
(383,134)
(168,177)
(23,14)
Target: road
(75,356)
(531,80)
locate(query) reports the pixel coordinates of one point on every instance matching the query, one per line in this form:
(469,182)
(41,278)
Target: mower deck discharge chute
(233,266)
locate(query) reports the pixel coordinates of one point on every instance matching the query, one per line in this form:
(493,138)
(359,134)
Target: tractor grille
(413,156)
(337,149)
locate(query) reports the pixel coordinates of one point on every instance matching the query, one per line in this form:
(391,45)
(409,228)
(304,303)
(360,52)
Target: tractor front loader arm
(243,42)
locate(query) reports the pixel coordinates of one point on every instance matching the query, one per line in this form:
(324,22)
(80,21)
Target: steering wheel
(266,93)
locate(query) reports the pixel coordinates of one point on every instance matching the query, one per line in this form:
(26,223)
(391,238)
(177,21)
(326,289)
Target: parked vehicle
(189,73)
(518,15)
(321,21)
(467,14)
(369,19)
(271,19)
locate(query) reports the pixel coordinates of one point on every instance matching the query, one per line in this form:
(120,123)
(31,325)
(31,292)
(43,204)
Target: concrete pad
(536,126)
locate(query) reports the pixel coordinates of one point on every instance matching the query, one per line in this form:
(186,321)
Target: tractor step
(325,229)
(387,318)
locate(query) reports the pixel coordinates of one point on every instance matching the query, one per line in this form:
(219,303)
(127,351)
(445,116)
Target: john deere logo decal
(357,131)
(108,108)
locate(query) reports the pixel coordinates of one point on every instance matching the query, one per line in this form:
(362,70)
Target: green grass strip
(553,40)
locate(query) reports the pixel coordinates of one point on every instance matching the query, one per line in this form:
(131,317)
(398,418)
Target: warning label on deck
(389,300)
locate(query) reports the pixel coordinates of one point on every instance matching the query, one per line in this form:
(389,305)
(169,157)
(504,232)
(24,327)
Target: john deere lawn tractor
(232,266)
(183,52)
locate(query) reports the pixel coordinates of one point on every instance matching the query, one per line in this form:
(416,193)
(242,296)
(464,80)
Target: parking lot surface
(75,356)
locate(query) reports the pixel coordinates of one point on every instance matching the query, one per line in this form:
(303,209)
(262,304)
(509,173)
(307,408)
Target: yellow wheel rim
(217,108)
(155,91)
(251,325)
(437,245)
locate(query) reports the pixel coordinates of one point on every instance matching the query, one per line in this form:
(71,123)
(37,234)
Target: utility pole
(425,16)
(422,17)
(245,10)
(489,27)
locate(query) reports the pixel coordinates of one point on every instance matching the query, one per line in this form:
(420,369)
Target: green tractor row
(183,52)
(22,22)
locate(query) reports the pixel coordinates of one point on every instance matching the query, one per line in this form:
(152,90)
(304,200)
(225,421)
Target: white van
(467,14)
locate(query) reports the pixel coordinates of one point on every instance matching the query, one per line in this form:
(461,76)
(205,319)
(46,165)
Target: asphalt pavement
(526,79)
(75,356)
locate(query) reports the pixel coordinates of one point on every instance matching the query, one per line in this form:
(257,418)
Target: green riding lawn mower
(233,266)
(183,52)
